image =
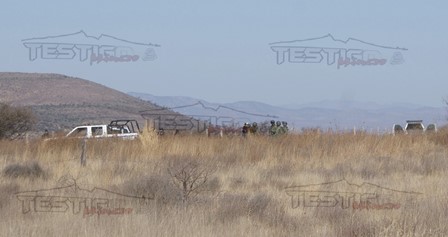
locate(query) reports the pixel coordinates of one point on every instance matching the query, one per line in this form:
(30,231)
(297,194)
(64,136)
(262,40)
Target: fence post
(83,152)
(150,125)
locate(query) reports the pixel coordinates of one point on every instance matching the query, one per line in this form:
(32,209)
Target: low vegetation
(15,121)
(31,170)
(231,186)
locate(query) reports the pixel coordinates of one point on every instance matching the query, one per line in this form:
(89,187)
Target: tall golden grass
(244,189)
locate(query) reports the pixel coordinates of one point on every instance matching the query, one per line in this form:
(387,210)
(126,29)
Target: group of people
(276,128)
(249,128)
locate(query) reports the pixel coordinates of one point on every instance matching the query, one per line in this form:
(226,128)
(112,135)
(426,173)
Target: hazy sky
(221,52)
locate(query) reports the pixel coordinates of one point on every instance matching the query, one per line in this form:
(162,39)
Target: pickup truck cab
(125,129)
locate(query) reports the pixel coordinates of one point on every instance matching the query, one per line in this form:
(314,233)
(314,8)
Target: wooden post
(83,152)
(150,125)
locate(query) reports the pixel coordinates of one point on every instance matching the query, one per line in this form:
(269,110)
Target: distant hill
(62,102)
(340,115)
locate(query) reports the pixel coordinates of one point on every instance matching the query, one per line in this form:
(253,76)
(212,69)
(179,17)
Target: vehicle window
(431,127)
(415,127)
(97,131)
(79,132)
(398,128)
(113,130)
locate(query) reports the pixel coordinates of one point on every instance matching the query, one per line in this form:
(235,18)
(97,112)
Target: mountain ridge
(326,115)
(62,102)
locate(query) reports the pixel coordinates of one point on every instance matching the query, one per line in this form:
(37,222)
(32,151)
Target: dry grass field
(231,186)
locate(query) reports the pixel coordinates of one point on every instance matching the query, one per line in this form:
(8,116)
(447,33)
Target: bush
(31,170)
(15,121)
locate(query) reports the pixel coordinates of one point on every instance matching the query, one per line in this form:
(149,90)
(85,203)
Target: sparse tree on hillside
(15,121)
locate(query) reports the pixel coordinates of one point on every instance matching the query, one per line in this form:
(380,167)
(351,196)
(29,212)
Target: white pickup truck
(125,129)
(414,127)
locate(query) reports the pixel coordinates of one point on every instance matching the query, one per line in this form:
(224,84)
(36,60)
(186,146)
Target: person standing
(273,129)
(254,128)
(245,130)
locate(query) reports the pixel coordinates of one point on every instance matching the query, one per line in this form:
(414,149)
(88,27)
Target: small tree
(15,121)
(189,177)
